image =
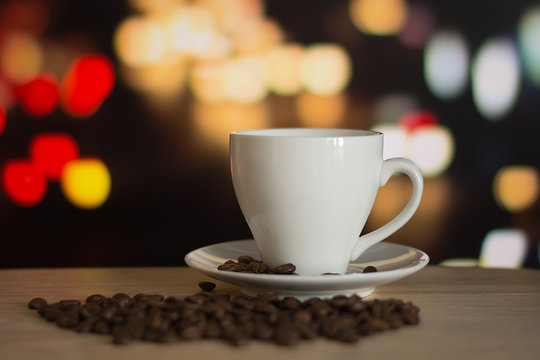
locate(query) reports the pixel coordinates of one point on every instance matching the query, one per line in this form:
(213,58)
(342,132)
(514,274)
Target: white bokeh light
(495,78)
(432,148)
(529,41)
(446,64)
(503,248)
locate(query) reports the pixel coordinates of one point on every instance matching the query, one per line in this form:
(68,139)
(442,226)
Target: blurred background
(115,115)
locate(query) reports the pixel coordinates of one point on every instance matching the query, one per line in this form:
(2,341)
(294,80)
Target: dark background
(171,193)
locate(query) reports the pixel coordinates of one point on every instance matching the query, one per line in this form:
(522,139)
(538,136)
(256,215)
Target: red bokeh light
(23,182)
(40,96)
(412,120)
(87,83)
(2,119)
(50,152)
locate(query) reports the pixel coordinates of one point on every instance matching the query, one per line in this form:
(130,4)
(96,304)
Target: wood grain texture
(466,313)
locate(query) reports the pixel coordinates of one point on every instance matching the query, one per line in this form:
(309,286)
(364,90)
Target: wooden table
(466,313)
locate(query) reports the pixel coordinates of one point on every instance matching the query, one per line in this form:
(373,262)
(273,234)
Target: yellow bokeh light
(432,148)
(257,37)
(378,17)
(283,64)
(140,41)
(232,14)
(149,6)
(320,111)
(21,58)
(516,188)
(207,81)
(245,80)
(191,30)
(325,69)
(164,78)
(215,122)
(86,183)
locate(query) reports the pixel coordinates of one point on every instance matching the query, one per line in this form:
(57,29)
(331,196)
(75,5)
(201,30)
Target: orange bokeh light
(23,182)
(50,152)
(87,84)
(40,96)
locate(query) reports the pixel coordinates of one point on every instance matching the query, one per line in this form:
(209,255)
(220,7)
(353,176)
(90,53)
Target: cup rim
(308,133)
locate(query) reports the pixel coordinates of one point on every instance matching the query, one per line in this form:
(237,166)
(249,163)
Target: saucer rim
(382,275)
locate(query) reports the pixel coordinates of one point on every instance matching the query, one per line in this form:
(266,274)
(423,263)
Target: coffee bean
(96,299)
(122,300)
(228,267)
(207,285)
(369,269)
(67,319)
(285,269)
(66,304)
(37,303)
(244,259)
(53,313)
(257,267)
(291,303)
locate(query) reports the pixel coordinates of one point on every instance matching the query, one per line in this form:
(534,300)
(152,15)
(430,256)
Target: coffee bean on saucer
(244,259)
(369,269)
(285,269)
(207,285)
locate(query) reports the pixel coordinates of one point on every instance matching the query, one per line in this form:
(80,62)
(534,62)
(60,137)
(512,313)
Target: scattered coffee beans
(247,264)
(235,319)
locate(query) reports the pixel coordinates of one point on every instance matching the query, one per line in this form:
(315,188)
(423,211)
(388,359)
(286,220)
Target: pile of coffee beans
(247,264)
(235,319)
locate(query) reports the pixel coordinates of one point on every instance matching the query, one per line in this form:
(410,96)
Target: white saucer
(392,261)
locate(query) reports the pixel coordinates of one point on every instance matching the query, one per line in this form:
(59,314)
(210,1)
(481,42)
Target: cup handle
(390,167)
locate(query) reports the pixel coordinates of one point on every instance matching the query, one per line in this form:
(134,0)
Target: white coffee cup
(307,193)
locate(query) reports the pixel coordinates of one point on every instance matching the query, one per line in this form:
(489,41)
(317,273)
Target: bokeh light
(214,122)
(528,36)
(517,187)
(245,80)
(495,78)
(320,111)
(416,119)
(139,41)
(51,151)
(151,6)
(420,137)
(378,17)
(419,25)
(191,30)
(257,37)
(23,182)
(40,96)
(163,79)
(325,69)
(446,64)
(87,84)
(207,81)
(2,119)
(21,58)
(86,183)
(283,63)
(503,248)
(432,148)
